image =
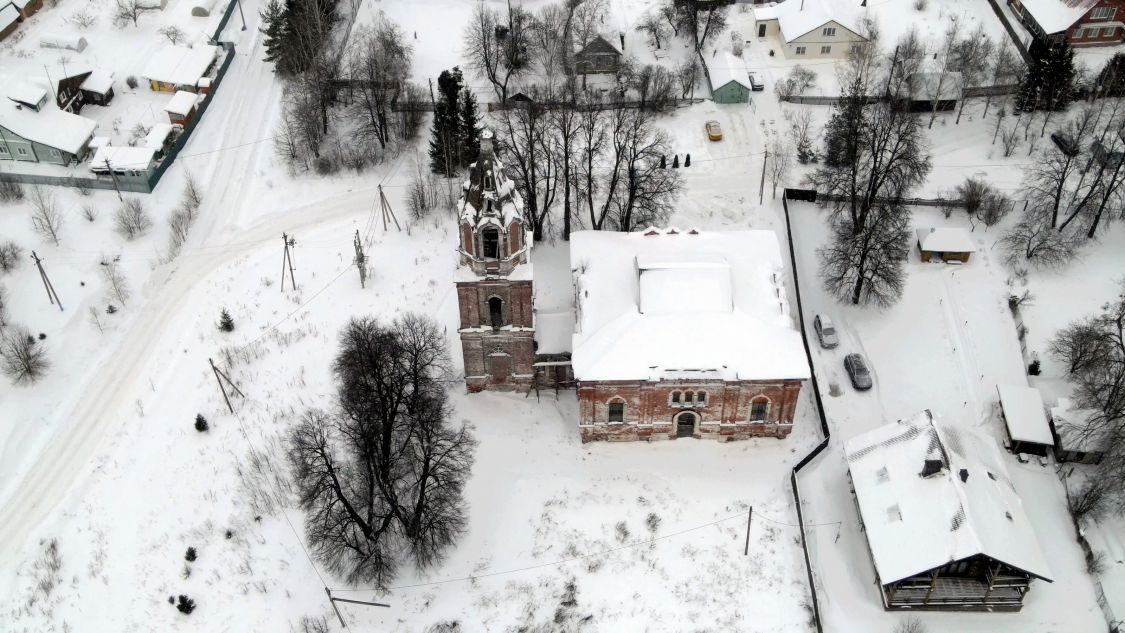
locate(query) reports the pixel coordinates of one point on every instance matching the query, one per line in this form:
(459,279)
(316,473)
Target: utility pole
(220,377)
(894,61)
(286,260)
(387,211)
(113,175)
(749,518)
(240,14)
(51,294)
(762,185)
(334,600)
(360,260)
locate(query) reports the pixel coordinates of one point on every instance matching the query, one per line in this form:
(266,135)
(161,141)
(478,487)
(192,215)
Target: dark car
(755,82)
(858,372)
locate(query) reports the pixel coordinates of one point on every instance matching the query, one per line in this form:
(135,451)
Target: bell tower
(494,278)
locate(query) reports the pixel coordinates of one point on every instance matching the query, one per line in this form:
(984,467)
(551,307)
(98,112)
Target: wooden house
(945,527)
(812,28)
(945,244)
(1077,22)
(48,136)
(599,56)
(97,88)
(27,8)
(9,20)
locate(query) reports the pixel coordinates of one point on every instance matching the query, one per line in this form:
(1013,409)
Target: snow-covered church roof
(966,507)
(682,304)
(488,194)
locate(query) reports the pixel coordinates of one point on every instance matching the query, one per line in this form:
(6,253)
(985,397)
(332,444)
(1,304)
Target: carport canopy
(1025,415)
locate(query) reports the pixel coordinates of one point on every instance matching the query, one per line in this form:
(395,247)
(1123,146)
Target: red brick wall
(473,296)
(513,237)
(650,415)
(467,238)
(1076,35)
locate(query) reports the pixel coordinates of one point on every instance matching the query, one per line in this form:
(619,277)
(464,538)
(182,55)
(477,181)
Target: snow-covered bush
(911,624)
(11,255)
(10,191)
(89,212)
(131,219)
(131,81)
(22,359)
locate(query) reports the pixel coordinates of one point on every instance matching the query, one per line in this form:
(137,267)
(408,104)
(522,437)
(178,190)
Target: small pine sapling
(687,161)
(676,161)
(201,423)
(226,323)
(185,604)
(190,555)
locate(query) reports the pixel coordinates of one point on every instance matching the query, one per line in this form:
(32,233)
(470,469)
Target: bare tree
(1005,68)
(867,265)
(801,131)
(126,11)
(499,46)
(564,140)
(525,140)
(179,225)
(378,63)
(192,196)
(174,34)
(591,148)
(3,307)
(11,256)
(1034,240)
(550,48)
(1010,138)
(944,61)
(22,359)
(654,86)
(652,25)
(588,18)
(797,82)
(117,287)
(779,162)
(131,219)
(46,218)
(381,478)
(639,192)
(971,57)
(687,73)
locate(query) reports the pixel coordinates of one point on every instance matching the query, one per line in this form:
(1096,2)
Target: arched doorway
(685,424)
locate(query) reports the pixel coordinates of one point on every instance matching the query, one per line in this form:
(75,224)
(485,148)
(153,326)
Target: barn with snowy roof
(683,333)
(945,527)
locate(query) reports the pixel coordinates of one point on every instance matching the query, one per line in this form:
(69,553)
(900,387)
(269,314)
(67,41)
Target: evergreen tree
(1049,81)
(201,423)
(469,124)
(841,133)
(226,323)
(1111,80)
(273,28)
(446,147)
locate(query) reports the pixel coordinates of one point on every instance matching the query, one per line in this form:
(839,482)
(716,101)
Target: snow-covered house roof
(27,93)
(100,81)
(181,103)
(945,240)
(51,127)
(1074,429)
(726,68)
(798,17)
(122,159)
(968,507)
(158,135)
(9,14)
(599,45)
(1057,15)
(180,65)
(1025,414)
(672,304)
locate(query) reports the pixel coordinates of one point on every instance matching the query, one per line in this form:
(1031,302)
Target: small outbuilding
(944,524)
(730,82)
(946,244)
(160,138)
(181,108)
(1076,440)
(27,8)
(97,88)
(131,161)
(28,95)
(9,20)
(1025,419)
(63,41)
(203,8)
(175,68)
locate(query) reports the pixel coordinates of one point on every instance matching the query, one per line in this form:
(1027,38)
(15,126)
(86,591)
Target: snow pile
(655,304)
(1025,414)
(967,507)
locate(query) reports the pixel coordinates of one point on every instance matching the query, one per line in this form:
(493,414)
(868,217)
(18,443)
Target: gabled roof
(726,68)
(100,81)
(9,14)
(180,65)
(599,45)
(27,93)
(51,127)
(1025,414)
(1057,15)
(488,194)
(181,103)
(798,17)
(945,240)
(968,507)
(665,303)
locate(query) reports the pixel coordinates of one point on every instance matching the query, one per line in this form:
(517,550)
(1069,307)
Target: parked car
(755,82)
(714,132)
(825,331)
(858,372)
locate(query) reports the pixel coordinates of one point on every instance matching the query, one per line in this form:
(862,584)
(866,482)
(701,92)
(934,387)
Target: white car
(825,331)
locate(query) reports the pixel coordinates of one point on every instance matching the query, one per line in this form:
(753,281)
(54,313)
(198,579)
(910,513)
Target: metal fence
(967,93)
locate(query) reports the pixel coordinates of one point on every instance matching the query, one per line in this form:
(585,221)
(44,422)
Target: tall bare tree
(866,265)
(378,65)
(639,192)
(22,359)
(525,140)
(971,57)
(652,26)
(46,217)
(591,148)
(500,46)
(779,163)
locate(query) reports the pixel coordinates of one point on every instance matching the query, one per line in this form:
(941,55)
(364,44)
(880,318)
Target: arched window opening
(496,311)
(701,398)
(616,412)
(490,239)
(759,409)
(689,397)
(676,395)
(489,182)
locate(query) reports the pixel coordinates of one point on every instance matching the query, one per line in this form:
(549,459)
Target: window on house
(829,31)
(675,398)
(824,50)
(22,151)
(496,311)
(617,412)
(701,398)
(689,398)
(855,48)
(759,409)
(1107,31)
(490,239)
(800,50)
(1102,13)
(4,151)
(55,153)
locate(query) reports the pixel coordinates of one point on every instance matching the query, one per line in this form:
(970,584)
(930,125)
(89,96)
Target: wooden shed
(1025,420)
(946,244)
(181,108)
(730,82)
(599,56)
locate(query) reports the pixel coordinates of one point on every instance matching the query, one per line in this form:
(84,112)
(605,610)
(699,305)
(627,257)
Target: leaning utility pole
(334,600)
(220,377)
(51,294)
(387,211)
(762,185)
(287,261)
(360,260)
(749,519)
(113,175)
